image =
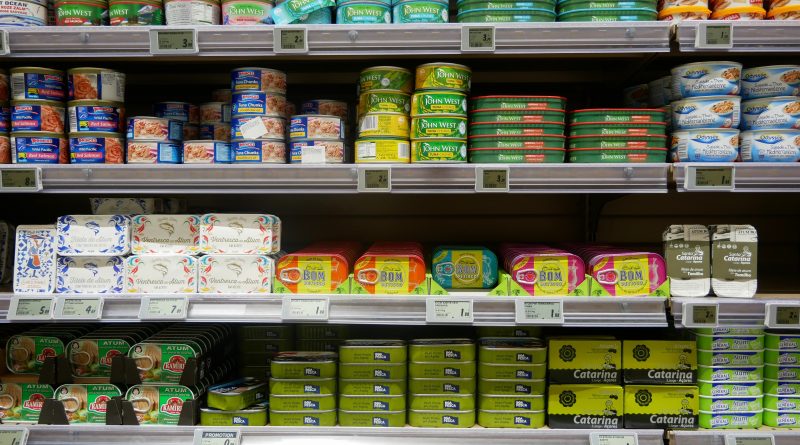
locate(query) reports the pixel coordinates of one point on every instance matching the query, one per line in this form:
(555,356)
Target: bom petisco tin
(299,365)
(542,270)
(318,268)
(464,267)
(386,78)
(622,272)
(373,352)
(447,76)
(442,350)
(391,268)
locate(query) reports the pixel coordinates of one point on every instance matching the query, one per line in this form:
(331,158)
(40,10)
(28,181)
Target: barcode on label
(367,150)
(310,154)
(253,129)
(73,118)
(403,150)
(683,149)
(369,123)
(17,84)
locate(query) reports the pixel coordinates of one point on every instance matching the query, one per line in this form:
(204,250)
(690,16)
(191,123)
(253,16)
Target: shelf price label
(13,436)
(714,36)
(20,180)
(447,310)
(700,315)
(173,41)
(375,179)
(291,40)
(79,308)
(546,312)
(5,46)
(749,439)
(782,316)
(710,178)
(164,308)
(30,308)
(626,438)
(316,308)
(492,179)
(478,38)
(217,437)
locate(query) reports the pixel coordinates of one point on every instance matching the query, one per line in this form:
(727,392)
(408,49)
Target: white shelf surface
(748,36)
(750,177)
(717,437)
(734,312)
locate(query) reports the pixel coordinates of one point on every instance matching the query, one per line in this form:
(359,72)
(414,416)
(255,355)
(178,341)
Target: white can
(192,12)
(22,13)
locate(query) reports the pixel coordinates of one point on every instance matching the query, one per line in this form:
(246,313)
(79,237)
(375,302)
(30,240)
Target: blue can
(272,151)
(37,83)
(179,111)
(37,115)
(330,151)
(314,126)
(301,11)
(97,148)
(275,127)
(258,79)
(154,152)
(38,148)
(94,116)
(771,146)
(206,152)
(258,103)
(771,113)
(154,129)
(361,12)
(216,130)
(705,145)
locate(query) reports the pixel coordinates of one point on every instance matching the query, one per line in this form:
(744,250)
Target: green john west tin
(385,77)
(441,402)
(451,385)
(433,370)
(517,116)
(512,371)
(426,102)
(299,387)
(372,403)
(782,341)
(308,402)
(731,389)
(379,101)
(729,342)
(775,357)
(372,387)
(781,387)
(782,372)
(730,358)
(745,403)
(781,419)
(506,16)
(255,415)
(373,351)
(619,115)
(296,365)
(782,402)
(511,387)
(620,155)
(439,150)
(378,371)
(518,103)
(730,373)
(511,419)
(443,76)
(491,402)
(577,5)
(609,15)
(516,155)
(302,418)
(616,142)
(526,142)
(730,420)
(619,129)
(442,350)
(500,350)
(516,129)
(363,12)
(441,419)
(394,419)
(439,126)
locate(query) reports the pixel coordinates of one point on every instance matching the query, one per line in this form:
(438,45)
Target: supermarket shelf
(418,178)
(766,36)
(348,40)
(394,310)
(732,311)
(710,437)
(751,177)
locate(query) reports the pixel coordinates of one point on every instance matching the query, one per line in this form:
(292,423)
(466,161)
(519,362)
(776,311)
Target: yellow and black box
(661,407)
(585,406)
(659,362)
(585,361)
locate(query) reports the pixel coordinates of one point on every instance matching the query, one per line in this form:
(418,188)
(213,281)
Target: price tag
(375,179)
(475,38)
(714,36)
(491,179)
(217,437)
(164,308)
(446,310)
(79,308)
(253,128)
(312,154)
(710,178)
(173,41)
(30,308)
(548,312)
(749,439)
(20,180)
(317,308)
(5,45)
(782,316)
(13,436)
(700,315)
(626,438)
(293,40)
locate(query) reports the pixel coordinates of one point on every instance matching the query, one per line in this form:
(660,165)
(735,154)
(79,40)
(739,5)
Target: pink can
(543,270)
(623,272)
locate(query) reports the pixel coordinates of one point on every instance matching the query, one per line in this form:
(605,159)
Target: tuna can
(382,101)
(218,131)
(441,419)
(518,403)
(618,115)
(774,356)
(505,15)
(81,13)
(159,404)
(680,14)
(192,12)
(518,116)
(379,371)
(302,365)
(22,13)
(441,370)
(730,373)
(782,373)
(511,387)
(393,125)
(258,79)
(179,111)
(771,113)
(363,12)
(5,149)
(463,267)
(315,126)
(771,81)
(770,146)
(731,420)
(23,401)
(717,145)
(371,402)
(448,76)
(214,112)
(37,83)
(316,151)
(781,418)
(153,152)
(191,132)
(236,395)
(783,341)
(442,350)
(618,142)
(274,127)
(373,352)
(732,404)
(441,402)
(790,12)
(440,150)
(372,387)
(390,268)
(95,116)
(512,351)
(518,103)
(740,13)
(731,389)
(96,148)
(427,102)
(420,11)
(781,388)
(86,403)
(39,148)
(386,78)
(706,79)
(258,103)
(300,12)
(302,418)
(706,112)
(299,387)
(37,115)
(246,12)
(326,107)
(270,151)
(254,415)
(395,419)
(439,127)
(206,152)
(511,419)
(154,128)
(306,402)
(95,84)
(135,12)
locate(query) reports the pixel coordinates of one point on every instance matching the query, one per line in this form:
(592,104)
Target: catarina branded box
(585,406)
(585,360)
(661,407)
(659,362)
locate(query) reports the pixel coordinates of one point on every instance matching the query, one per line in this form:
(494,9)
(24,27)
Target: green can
(618,142)
(782,402)
(372,403)
(158,404)
(363,13)
(440,402)
(378,101)
(728,420)
(437,370)
(441,419)
(517,116)
(619,129)
(782,372)
(426,102)
(519,142)
(511,419)
(308,402)
(298,365)
(775,357)
(619,115)
(448,76)
(394,419)
(609,15)
(781,387)
(782,341)
(729,331)
(439,126)
(615,156)
(386,78)
(378,371)
(577,5)
(236,395)
(300,387)
(255,415)
(731,389)
(511,387)
(781,419)
(512,351)
(442,350)
(516,156)
(135,12)
(505,4)
(732,404)
(730,358)
(81,13)
(518,103)
(730,373)
(420,11)
(512,371)
(516,129)
(372,387)
(86,403)
(506,16)
(373,351)
(302,418)
(491,402)
(23,401)
(439,150)
(729,343)
(451,385)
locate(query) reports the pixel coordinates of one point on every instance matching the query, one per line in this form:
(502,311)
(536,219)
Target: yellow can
(392,125)
(383,150)
(444,76)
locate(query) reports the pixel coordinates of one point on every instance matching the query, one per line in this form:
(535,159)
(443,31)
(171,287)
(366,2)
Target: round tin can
(274,127)
(192,12)
(326,107)
(154,128)
(316,151)
(314,126)
(39,148)
(95,116)
(191,131)
(771,81)
(153,152)
(258,103)
(386,78)
(221,95)
(37,115)
(394,125)
(382,101)
(37,83)
(707,112)
(706,79)
(96,148)
(23,13)
(714,145)
(95,84)
(440,150)
(740,13)
(206,152)
(81,13)
(770,145)
(363,12)
(791,12)
(219,131)
(679,14)
(246,12)
(265,151)
(382,150)
(439,127)
(771,113)
(179,111)
(214,112)
(258,79)
(420,11)
(135,12)
(448,76)
(438,102)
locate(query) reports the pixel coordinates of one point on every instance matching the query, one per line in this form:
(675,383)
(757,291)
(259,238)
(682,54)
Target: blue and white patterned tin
(35,260)
(93,235)
(90,275)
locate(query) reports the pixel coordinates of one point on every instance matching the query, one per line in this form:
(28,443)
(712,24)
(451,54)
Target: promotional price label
(750,439)
(312,154)
(714,36)
(217,437)
(79,308)
(700,315)
(549,312)
(477,38)
(13,436)
(253,128)
(290,40)
(375,179)
(782,316)
(21,180)
(5,46)
(316,308)
(710,178)
(30,308)
(491,179)
(164,308)
(446,310)
(173,41)
(626,438)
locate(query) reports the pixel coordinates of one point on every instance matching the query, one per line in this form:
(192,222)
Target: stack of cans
(213,146)
(782,380)
(154,140)
(383,115)
(320,150)
(37,116)
(439,116)
(258,121)
(303,380)
(96,116)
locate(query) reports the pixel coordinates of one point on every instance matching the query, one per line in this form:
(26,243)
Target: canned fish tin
(386,78)
(373,352)
(236,395)
(22,402)
(254,415)
(441,370)
(158,404)
(771,81)
(706,112)
(95,84)
(39,148)
(179,111)
(191,132)
(372,387)
(96,148)
(448,76)
(258,103)
(621,129)
(420,11)
(5,116)
(37,83)
(394,125)
(511,403)
(518,116)
(25,354)
(361,12)
(443,402)
(771,146)
(301,365)
(23,13)
(511,419)
(500,350)
(213,112)
(463,267)
(302,418)
(781,419)
(427,102)
(372,403)
(270,151)
(306,402)
(506,15)
(382,150)
(153,152)
(316,151)
(246,12)
(5,149)
(783,341)
(326,107)
(782,372)
(135,12)
(729,343)
(81,13)
(219,131)
(377,371)
(275,126)
(771,113)
(313,126)
(206,152)
(518,103)
(730,373)
(775,357)
(780,388)
(439,127)
(739,13)
(441,419)
(86,403)
(95,116)
(35,115)
(706,79)
(379,101)
(394,419)
(731,404)
(730,420)
(619,115)
(518,142)
(301,11)
(192,12)
(442,350)
(511,387)
(258,79)
(154,128)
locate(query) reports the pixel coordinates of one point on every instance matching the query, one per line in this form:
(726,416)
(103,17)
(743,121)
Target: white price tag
(173,41)
(312,154)
(548,312)
(13,436)
(447,310)
(710,179)
(292,40)
(20,180)
(491,179)
(253,128)
(700,315)
(714,36)
(164,308)
(375,179)
(477,38)
(217,437)
(79,308)
(30,308)
(315,308)
(620,438)
(782,316)
(5,45)
(749,439)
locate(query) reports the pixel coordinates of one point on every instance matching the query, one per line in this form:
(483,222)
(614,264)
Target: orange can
(391,268)
(319,268)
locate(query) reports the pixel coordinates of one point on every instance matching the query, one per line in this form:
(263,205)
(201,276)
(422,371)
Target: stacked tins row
(383,115)
(614,11)
(618,135)
(391,11)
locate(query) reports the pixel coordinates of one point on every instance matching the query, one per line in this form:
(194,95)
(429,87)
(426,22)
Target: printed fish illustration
(92,268)
(237,269)
(237,227)
(167,227)
(93,226)
(161,268)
